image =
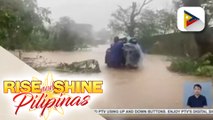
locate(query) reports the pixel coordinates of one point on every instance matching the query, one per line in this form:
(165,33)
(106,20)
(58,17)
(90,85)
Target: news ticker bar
(154,111)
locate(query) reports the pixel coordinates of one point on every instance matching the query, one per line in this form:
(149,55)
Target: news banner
(154,111)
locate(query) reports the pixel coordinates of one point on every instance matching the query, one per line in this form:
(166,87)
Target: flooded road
(151,86)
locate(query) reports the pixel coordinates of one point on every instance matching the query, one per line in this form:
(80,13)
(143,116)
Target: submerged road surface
(151,86)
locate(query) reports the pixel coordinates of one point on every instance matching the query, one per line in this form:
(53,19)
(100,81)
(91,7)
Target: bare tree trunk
(129,20)
(131,31)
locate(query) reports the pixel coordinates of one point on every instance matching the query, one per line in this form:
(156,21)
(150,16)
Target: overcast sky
(94,12)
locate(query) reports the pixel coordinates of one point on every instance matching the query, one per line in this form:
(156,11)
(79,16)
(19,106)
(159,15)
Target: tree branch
(145,2)
(120,19)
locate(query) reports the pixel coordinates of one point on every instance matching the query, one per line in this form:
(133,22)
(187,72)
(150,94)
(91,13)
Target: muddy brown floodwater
(151,86)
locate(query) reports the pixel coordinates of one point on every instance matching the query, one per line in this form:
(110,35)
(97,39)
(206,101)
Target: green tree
(68,35)
(149,26)
(166,21)
(19,21)
(62,36)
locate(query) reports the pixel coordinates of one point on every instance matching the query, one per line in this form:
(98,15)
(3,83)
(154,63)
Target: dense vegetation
(202,66)
(24,25)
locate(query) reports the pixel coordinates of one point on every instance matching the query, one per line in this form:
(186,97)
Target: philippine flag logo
(191,19)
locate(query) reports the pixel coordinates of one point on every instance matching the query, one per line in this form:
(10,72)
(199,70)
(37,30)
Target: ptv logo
(191,19)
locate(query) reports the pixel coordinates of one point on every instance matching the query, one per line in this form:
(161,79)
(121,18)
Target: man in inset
(197,100)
